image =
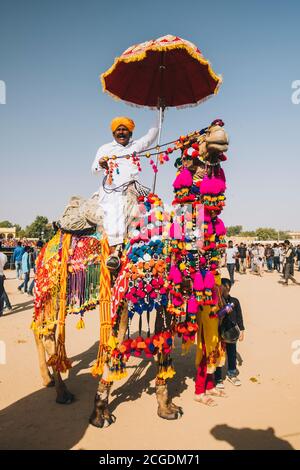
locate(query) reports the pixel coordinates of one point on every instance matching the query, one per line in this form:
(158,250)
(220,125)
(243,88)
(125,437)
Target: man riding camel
(112,194)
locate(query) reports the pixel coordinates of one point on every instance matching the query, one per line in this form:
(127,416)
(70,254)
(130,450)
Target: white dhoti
(113,206)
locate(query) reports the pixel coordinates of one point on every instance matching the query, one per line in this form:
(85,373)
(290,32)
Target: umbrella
(162,73)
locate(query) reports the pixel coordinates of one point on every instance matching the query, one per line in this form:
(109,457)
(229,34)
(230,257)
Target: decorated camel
(169,268)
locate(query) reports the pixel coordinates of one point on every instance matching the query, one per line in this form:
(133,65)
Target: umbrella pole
(160,115)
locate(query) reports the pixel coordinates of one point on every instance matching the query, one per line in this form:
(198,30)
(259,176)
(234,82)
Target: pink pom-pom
(212,186)
(177,279)
(192,305)
(175,275)
(177,301)
(209,280)
(198,282)
(177,182)
(220,227)
(186,178)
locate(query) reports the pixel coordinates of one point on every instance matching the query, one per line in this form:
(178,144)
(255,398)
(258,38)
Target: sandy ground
(261,414)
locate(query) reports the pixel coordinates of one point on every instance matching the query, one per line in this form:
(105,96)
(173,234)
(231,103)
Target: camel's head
(214,141)
(208,146)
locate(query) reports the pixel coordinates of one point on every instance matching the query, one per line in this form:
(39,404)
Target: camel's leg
(48,380)
(101,416)
(123,323)
(63,396)
(166,409)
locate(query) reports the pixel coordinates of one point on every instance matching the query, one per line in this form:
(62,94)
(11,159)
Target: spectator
(254,258)
(7,304)
(230,255)
(17,259)
(242,256)
(3,261)
(40,243)
(269,255)
(276,259)
(281,255)
(25,269)
(237,318)
(289,263)
(298,256)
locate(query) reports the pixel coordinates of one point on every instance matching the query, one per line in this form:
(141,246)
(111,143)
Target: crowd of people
(24,257)
(281,257)
(13,242)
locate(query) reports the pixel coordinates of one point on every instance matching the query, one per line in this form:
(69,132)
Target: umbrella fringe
(181,106)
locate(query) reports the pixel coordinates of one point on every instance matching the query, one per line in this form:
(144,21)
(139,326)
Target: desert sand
(261,414)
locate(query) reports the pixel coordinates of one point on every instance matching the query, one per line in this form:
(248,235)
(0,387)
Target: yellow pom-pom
(80,324)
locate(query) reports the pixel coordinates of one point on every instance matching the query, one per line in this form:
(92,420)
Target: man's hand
(241,338)
(103,163)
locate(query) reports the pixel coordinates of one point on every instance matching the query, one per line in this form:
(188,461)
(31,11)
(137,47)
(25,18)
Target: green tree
(234,230)
(283,235)
(40,227)
(266,233)
(18,229)
(6,224)
(248,233)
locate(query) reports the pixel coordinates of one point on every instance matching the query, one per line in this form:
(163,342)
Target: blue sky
(56,115)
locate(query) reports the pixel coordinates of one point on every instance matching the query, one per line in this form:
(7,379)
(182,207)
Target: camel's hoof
(99,421)
(96,421)
(101,416)
(168,414)
(66,398)
(176,408)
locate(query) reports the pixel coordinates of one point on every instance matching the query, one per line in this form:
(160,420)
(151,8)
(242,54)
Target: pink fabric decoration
(175,275)
(209,280)
(212,186)
(177,182)
(186,178)
(177,301)
(198,282)
(220,227)
(192,305)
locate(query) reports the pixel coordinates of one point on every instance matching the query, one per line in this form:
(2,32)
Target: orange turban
(122,121)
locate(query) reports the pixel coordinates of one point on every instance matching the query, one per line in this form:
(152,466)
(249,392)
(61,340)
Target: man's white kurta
(113,203)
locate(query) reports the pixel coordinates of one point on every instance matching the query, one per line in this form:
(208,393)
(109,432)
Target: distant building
(7,232)
(294,235)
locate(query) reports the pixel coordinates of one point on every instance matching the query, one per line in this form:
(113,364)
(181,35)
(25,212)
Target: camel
(155,275)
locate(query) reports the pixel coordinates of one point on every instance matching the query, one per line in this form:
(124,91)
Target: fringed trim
(165,368)
(59,360)
(182,106)
(104,310)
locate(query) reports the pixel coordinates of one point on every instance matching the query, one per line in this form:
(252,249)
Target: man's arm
(147,140)
(101,152)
